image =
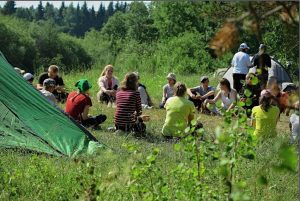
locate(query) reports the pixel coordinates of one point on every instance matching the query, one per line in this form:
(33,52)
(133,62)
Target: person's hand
(145,118)
(193,96)
(113,92)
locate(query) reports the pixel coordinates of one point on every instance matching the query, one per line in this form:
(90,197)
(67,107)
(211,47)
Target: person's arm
(60,85)
(189,92)
(164,94)
(248,62)
(101,85)
(213,101)
(208,94)
(85,113)
(39,86)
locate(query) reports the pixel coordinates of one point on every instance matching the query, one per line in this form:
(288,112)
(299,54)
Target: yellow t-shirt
(178,109)
(265,121)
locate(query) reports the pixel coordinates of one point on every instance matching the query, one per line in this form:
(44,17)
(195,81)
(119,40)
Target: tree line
(75,20)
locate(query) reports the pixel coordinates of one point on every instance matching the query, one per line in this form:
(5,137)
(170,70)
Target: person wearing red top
(78,104)
(128,115)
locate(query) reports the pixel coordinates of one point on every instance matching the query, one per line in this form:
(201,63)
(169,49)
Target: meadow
(146,168)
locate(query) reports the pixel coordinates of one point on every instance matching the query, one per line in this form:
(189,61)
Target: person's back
(48,95)
(178,110)
(265,121)
(241,62)
(128,107)
(76,103)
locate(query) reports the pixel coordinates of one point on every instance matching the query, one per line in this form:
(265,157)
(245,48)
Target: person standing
(262,61)
(241,64)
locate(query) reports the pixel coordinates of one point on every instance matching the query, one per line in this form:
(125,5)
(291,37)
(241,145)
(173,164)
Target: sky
(57,4)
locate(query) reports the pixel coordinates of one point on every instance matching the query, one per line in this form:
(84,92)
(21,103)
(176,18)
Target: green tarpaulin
(29,121)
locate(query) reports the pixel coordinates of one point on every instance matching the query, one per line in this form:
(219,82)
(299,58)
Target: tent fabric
(30,121)
(276,70)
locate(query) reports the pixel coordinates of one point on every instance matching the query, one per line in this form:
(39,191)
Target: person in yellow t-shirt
(265,116)
(180,112)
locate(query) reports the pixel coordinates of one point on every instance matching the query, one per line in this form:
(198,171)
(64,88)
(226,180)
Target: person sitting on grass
(29,78)
(168,89)
(78,105)
(227,95)
(145,98)
(265,116)
(128,115)
(200,93)
(53,73)
(108,85)
(48,88)
(250,93)
(180,113)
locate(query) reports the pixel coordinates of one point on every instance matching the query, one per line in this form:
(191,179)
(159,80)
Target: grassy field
(106,176)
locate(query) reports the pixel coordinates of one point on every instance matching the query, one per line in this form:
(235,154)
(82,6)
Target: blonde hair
(106,69)
(53,68)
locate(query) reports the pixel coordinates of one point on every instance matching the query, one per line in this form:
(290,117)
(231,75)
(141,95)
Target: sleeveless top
(227,100)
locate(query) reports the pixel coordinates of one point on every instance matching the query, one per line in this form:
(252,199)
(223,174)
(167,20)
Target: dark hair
(129,82)
(225,82)
(204,80)
(179,89)
(266,102)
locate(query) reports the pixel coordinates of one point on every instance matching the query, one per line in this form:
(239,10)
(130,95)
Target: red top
(76,103)
(128,107)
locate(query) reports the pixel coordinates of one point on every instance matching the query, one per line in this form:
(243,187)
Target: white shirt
(228,100)
(241,62)
(294,120)
(48,95)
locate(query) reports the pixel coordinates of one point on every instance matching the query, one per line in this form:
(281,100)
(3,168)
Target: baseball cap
(83,85)
(20,71)
(244,46)
(171,76)
(49,82)
(203,78)
(28,76)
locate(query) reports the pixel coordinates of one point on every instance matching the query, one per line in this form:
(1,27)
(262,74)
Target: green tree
(9,8)
(100,18)
(40,12)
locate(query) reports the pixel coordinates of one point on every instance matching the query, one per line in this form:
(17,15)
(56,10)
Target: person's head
(171,78)
(244,47)
(204,81)
(262,49)
(49,84)
(108,71)
(83,86)
(130,82)
(225,84)
(20,71)
(53,71)
(179,89)
(265,100)
(28,77)
(137,76)
(249,78)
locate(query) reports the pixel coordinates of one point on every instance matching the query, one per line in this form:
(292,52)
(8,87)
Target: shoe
(111,129)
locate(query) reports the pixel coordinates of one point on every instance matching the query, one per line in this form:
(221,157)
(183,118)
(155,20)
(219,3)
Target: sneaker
(111,129)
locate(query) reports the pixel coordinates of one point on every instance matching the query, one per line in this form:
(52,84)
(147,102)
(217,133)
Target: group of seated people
(130,97)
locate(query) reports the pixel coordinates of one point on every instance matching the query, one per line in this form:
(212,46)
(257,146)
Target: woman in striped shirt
(128,115)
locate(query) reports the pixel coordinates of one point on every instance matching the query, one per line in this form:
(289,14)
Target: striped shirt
(128,107)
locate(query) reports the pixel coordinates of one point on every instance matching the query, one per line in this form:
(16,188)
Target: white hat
(244,46)
(27,76)
(171,76)
(20,71)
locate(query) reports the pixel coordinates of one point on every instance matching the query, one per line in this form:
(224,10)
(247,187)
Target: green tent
(29,121)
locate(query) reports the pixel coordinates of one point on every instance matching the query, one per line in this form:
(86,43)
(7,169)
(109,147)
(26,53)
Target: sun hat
(83,85)
(203,78)
(28,76)
(49,82)
(244,46)
(171,76)
(20,71)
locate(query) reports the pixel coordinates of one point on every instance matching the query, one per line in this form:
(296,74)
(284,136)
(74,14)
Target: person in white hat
(28,77)
(48,88)
(262,61)
(168,89)
(241,64)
